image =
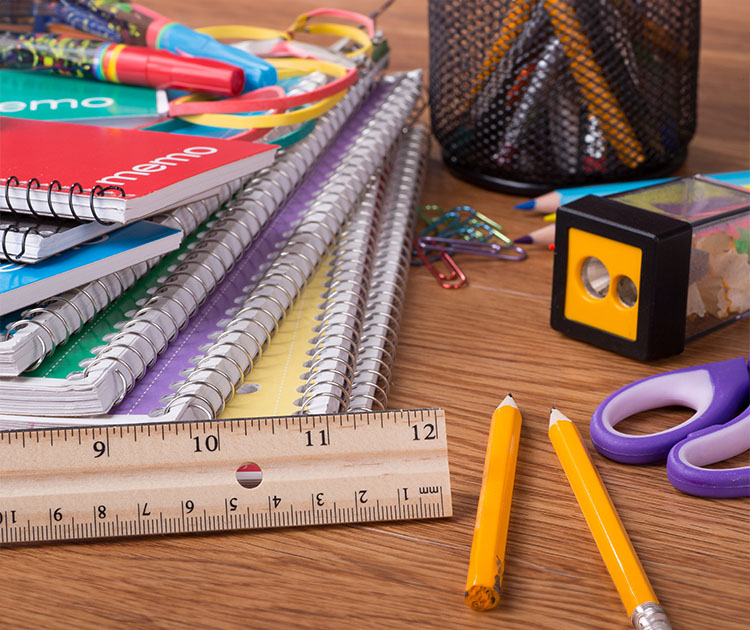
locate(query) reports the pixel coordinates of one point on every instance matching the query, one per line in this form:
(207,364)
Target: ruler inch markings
(355,471)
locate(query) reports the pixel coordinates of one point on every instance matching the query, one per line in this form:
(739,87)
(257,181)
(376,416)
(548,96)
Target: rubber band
(189,105)
(365,21)
(341,30)
(290,138)
(300,25)
(239,31)
(233,121)
(253,133)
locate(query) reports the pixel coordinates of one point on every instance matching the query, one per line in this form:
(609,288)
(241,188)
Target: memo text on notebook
(107,174)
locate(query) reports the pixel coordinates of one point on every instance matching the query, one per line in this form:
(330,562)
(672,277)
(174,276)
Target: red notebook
(122,174)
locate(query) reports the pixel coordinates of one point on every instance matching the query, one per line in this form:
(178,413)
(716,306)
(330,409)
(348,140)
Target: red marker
(136,65)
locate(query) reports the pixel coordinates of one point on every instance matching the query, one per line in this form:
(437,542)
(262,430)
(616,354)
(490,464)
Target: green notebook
(43,96)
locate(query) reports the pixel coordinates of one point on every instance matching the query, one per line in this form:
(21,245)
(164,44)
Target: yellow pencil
(513,22)
(605,525)
(600,100)
(486,563)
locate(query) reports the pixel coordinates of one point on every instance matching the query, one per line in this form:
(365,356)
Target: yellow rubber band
(306,66)
(254,32)
(232,31)
(234,121)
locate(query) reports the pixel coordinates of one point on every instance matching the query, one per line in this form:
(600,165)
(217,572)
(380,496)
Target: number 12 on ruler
(222,475)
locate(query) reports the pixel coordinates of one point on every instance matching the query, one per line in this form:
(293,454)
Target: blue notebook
(22,285)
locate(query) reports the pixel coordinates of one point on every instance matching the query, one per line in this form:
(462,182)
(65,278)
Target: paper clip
(423,210)
(454,279)
(496,228)
(480,248)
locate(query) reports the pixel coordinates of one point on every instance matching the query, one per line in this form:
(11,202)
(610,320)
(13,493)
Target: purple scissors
(719,428)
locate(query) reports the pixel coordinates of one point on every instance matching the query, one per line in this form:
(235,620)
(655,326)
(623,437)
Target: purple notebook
(172,365)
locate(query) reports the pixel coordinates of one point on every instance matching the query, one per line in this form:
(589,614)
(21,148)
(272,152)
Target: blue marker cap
(178,39)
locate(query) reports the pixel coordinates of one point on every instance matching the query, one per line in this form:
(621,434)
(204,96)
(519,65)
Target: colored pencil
(551,201)
(543,236)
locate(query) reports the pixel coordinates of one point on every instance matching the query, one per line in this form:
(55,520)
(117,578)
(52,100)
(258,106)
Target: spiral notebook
(125,357)
(334,349)
(117,175)
(22,285)
(321,324)
(63,316)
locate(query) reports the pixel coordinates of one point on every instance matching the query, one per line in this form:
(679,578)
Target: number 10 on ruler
(221,475)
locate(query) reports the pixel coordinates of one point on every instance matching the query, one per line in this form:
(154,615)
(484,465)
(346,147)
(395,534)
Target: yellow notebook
(272,387)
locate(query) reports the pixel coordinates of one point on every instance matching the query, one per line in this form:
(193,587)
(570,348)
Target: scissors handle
(708,446)
(716,391)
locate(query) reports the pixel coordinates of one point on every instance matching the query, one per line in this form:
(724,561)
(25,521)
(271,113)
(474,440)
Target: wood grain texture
(463,351)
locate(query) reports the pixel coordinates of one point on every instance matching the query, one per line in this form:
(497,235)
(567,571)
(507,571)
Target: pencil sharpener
(643,272)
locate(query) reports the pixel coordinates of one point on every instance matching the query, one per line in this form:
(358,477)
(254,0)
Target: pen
(550,202)
(137,25)
(609,533)
(117,63)
(486,563)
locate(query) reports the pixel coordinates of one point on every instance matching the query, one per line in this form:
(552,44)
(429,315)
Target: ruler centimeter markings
(213,475)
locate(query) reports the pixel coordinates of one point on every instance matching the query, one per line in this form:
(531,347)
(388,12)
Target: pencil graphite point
(526,205)
(557,416)
(508,400)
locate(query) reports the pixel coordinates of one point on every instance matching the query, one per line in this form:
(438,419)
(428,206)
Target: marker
(117,63)
(551,201)
(137,25)
(610,536)
(486,563)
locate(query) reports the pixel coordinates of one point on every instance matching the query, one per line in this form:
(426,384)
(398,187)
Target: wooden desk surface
(460,350)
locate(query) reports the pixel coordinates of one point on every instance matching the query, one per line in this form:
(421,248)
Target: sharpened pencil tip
(508,401)
(526,205)
(556,416)
(524,240)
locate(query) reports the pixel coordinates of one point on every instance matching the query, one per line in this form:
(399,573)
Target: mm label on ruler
(176,477)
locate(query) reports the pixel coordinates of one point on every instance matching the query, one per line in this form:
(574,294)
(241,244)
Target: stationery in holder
(21,285)
(113,175)
(124,357)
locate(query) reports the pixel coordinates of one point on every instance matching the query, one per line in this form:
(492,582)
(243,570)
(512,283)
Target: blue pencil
(550,202)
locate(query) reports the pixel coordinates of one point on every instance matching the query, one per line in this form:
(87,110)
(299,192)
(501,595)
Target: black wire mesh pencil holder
(530,95)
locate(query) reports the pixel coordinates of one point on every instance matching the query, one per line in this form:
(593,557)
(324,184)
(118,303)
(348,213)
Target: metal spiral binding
(378,342)
(60,317)
(262,311)
(14,229)
(217,251)
(332,366)
(55,186)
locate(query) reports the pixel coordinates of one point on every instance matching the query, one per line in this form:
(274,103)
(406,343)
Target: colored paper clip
(461,246)
(454,279)
(497,229)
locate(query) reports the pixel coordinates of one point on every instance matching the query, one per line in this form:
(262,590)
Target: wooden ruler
(176,477)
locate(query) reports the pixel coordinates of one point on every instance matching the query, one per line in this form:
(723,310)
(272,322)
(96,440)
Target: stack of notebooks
(57,234)
(286,299)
